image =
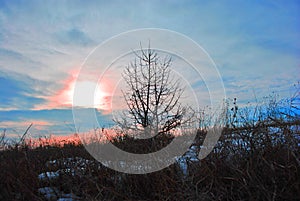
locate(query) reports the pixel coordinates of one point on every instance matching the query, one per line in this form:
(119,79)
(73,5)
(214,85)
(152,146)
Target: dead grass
(253,160)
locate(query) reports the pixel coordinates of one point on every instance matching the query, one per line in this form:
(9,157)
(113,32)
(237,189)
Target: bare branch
(153,94)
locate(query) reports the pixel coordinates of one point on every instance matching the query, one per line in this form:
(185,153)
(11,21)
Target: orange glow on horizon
(99,136)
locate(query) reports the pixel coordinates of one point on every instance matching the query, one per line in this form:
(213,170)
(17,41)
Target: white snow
(78,166)
(49,193)
(48,175)
(190,156)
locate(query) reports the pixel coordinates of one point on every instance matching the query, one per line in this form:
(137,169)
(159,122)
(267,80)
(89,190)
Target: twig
(24,135)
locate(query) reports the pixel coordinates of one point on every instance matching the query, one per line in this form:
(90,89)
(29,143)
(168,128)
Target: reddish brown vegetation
(266,171)
(253,160)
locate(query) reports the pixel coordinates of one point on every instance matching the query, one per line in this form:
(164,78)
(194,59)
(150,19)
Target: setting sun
(88,88)
(91,94)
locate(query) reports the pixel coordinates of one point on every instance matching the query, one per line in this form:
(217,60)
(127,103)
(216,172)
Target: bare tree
(153,95)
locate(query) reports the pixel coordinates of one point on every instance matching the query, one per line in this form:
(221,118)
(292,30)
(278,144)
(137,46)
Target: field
(256,158)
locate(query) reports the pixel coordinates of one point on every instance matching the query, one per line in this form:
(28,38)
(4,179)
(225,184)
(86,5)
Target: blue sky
(255,45)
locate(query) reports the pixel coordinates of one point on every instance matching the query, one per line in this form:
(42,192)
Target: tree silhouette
(152,95)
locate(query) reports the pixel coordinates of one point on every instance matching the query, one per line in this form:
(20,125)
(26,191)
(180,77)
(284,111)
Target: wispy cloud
(18,93)
(254,44)
(74,36)
(45,122)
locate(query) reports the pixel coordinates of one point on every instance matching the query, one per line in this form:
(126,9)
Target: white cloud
(255,44)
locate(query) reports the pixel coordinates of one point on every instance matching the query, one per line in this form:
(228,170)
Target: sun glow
(92,94)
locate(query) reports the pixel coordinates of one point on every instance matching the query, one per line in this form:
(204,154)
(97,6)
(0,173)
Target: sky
(43,44)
